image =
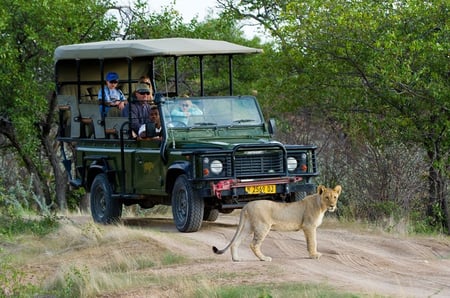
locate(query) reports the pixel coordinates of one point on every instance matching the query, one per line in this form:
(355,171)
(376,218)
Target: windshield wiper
(205,123)
(243,121)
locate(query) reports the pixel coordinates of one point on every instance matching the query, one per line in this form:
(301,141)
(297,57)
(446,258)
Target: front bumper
(235,188)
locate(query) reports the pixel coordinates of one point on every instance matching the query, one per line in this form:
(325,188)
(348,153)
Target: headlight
(291,164)
(216,167)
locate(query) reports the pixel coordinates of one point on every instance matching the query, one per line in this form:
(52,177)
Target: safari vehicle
(211,163)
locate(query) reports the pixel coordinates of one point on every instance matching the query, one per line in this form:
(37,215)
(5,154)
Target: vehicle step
(75,182)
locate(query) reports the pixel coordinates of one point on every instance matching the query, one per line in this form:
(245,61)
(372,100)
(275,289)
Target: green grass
(15,226)
(286,290)
(172,259)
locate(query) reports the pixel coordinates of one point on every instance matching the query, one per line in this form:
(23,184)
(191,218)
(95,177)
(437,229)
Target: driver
(184,110)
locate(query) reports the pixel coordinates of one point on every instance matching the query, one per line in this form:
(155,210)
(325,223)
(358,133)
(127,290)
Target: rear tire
(296,196)
(187,207)
(300,195)
(104,208)
(210,214)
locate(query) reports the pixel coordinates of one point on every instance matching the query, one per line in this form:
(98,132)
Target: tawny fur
(260,216)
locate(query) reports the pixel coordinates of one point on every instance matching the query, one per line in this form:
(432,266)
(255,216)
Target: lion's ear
(338,189)
(320,189)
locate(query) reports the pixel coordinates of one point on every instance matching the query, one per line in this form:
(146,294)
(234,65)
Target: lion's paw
(266,259)
(316,256)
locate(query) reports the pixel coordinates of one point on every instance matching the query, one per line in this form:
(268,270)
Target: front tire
(187,207)
(104,208)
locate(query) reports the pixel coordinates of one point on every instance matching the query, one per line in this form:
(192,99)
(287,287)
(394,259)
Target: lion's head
(329,197)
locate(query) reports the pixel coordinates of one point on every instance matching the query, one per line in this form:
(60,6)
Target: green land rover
(211,162)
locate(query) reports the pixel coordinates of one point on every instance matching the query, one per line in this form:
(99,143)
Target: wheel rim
(181,205)
(100,202)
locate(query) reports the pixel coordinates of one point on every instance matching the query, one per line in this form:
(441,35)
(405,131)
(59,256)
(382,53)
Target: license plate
(258,189)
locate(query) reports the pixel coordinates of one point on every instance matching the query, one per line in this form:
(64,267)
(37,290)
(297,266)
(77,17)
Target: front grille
(258,163)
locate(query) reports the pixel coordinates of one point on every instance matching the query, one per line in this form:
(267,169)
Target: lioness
(258,217)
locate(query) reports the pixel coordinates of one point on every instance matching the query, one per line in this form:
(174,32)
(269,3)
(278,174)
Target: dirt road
(361,262)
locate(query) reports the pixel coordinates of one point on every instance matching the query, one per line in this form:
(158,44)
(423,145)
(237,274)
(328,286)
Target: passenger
(142,80)
(145,80)
(155,119)
(140,108)
(111,96)
(184,110)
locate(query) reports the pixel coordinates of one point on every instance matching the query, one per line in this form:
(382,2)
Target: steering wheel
(176,124)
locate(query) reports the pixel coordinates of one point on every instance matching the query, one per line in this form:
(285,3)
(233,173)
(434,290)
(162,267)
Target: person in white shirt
(153,118)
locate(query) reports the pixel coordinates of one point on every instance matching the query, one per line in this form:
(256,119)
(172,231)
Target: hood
(222,144)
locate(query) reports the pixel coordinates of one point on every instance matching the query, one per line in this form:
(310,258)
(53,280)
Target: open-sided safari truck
(211,163)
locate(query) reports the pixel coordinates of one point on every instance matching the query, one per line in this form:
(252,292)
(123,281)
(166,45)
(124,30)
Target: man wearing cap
(110,95)
(140,108)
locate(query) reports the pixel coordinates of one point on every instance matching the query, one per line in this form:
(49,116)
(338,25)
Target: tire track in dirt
(398,261)
(357,261)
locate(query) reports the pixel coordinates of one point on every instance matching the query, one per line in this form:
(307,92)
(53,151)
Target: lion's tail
(238,232)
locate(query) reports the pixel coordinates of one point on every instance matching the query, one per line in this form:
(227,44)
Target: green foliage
(74,198)
(169,23)
(74,282)
(14,210)
(366,59)
(379,210)
(421,223)
(13,226)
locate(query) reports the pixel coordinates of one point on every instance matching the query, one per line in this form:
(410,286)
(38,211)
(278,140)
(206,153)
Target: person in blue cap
(111,95)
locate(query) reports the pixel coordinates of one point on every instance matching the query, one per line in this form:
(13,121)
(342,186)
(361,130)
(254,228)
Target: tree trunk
(444,207)
(50,146)
(437,207)
(59,173)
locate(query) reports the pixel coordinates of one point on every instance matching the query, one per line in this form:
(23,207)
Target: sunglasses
(114,82)
(185,105)
(144,93)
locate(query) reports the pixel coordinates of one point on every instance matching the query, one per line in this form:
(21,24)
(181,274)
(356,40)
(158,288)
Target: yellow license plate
(258,189)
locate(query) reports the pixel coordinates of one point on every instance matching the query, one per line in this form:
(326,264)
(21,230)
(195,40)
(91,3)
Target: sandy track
(360,262)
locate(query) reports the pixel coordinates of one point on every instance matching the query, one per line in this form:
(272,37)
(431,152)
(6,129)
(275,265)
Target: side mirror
(150,130)
(271,125)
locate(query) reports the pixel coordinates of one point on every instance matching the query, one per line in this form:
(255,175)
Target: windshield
(212,111)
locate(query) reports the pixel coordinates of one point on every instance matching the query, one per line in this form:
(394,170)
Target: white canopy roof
(150,47)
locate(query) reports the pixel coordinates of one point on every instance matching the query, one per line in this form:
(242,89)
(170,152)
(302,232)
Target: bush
(16,216)
(379,180)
